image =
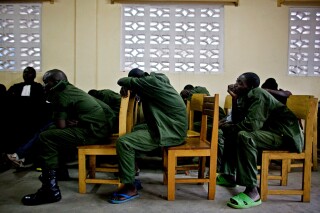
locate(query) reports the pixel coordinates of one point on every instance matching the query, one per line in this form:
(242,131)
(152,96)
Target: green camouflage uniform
(113,100)
(166,121)
(95,120)
(262,123)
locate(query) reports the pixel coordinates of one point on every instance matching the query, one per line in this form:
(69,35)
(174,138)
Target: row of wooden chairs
(200,146)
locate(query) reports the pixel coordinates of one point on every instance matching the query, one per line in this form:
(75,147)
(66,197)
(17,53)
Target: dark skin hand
(279,92)
(235,90)
(124,92)
(61,124)
(231,90)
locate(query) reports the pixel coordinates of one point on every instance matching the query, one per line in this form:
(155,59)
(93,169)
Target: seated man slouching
(272,86)
(166,125)
(79,119)
(112,99)
(259,122)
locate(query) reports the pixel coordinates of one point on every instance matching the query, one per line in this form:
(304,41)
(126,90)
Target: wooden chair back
(210,109)
(303,107)
(315,136)
(194,106)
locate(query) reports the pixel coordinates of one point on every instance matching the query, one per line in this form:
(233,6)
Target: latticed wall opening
(20,36)
(180,38)
(304,42)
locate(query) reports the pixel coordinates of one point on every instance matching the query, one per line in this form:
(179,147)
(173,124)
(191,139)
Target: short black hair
(30,69)
(93,92)
(55,75)
(270,83)
(136,72)
(188,87)
(252,80)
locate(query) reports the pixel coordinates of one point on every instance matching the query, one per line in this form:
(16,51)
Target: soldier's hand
(124,92)
(231,91)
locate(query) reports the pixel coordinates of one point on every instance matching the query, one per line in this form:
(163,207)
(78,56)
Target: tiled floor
(189,198)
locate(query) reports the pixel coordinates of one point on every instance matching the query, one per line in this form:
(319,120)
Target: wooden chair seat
(191,144)
(194,106)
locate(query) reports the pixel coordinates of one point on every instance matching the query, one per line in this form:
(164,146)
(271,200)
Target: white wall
(82,38)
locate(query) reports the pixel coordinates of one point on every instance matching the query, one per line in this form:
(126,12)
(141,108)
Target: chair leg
(171,175)
(82,172)
(315,153)
(284,172)
(202,168)
(289,165)
(165,166)
(264,177)
(212,178)
(92,166)
(306,180)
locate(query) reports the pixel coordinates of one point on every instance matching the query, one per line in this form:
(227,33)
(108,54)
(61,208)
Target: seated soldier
(259,122)
(79,119)
(112,99)
(166,125)
(272,86)
(187,93)
(189,89)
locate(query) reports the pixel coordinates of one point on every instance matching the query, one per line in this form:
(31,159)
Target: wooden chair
(126,121)
(304,107)
(193,106)
(228,104)
(195,147)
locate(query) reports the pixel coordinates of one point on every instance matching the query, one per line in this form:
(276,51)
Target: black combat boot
(48,193)
(61,175)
